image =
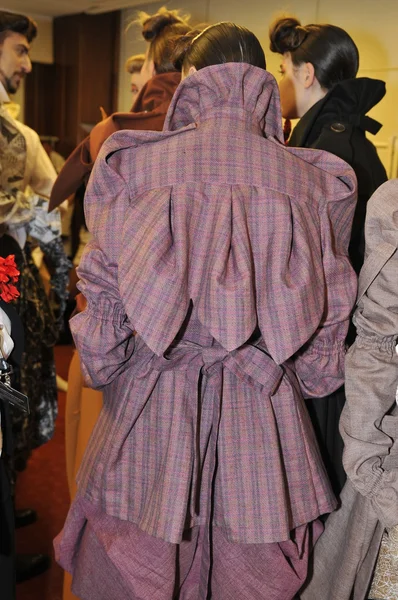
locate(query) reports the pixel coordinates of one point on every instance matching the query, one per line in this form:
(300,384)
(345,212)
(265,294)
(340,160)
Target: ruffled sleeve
(320,363)
(369,423)
(102,332)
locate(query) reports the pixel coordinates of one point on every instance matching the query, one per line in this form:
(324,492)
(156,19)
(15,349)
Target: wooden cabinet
(63,99)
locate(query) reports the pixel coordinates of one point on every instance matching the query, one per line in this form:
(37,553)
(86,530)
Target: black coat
(337,124)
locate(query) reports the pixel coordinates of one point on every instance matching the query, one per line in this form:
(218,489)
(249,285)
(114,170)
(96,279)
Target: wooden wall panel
(83,78)
(97,76)
(40,99)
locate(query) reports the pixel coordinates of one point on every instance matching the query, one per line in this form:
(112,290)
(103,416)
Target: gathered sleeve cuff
(105,341)
(319,365)
(368,424)
(103,333)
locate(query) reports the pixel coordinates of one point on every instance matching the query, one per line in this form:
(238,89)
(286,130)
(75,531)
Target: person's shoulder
(328,173)
(384,202)
(388,189)
(28,132)
(336,138)
(125,140)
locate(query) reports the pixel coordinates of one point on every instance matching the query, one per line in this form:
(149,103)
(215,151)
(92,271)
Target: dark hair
(11,22)
(218,44)
(328,48)
(159,29)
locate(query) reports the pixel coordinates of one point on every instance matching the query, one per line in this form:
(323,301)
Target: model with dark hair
(209,278)
(319,85)
(16,23)
(16,33)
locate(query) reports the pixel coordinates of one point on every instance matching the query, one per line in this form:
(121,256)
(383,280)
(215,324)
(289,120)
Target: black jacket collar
(346,103)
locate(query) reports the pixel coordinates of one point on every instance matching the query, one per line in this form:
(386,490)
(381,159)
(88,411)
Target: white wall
(372,24)
(42,48)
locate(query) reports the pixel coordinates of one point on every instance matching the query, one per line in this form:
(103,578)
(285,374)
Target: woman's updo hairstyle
(158,30)
(330,49)
(218,44)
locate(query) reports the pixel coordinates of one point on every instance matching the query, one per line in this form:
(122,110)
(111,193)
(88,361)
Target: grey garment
(345,556)
(346,553)
(368,427)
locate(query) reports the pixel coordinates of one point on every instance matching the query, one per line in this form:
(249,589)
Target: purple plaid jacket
(219,292)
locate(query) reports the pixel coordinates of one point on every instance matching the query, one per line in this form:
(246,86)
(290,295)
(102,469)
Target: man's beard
(10,86)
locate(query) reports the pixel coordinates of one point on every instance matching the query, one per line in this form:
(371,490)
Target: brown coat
(148,113)
(345,555)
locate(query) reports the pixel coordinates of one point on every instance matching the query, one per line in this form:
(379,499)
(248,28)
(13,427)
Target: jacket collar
(347,102)
(237,90)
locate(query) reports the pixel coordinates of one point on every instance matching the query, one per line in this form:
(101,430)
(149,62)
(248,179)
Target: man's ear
(192,70)
(308,74)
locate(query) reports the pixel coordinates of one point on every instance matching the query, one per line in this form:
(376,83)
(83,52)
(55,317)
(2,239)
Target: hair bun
(286,34)
(153,25)
(181,46)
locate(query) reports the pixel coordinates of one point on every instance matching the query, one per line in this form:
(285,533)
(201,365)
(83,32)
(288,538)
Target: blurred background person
(159,78)
(134,66)
(48,142)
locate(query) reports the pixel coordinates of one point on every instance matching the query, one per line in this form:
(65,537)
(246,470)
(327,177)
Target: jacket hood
(228,88)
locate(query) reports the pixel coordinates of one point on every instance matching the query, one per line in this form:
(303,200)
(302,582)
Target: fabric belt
(249,362)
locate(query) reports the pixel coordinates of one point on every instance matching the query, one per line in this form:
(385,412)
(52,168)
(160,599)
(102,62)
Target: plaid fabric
(226,253)
(114,560)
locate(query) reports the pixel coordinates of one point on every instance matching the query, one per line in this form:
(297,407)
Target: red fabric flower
(8,276)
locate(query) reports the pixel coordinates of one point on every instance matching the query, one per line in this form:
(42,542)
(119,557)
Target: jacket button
(337,127)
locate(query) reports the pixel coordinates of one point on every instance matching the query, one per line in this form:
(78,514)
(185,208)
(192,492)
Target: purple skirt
(111,559)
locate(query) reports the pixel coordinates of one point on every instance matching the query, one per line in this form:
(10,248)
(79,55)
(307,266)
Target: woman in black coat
(319,86)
